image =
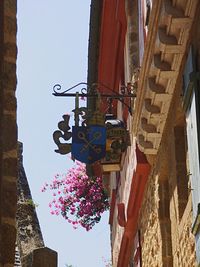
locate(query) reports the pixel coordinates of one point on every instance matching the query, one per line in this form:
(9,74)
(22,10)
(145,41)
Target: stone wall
(150,231)
(29,235)
(32,250)
(166,215)
(8,132)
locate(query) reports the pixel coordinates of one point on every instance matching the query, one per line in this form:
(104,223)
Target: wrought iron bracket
(91,91)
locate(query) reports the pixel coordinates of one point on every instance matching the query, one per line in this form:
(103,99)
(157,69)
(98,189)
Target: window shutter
(191,105)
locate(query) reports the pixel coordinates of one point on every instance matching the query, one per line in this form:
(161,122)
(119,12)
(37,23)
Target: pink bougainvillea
(80,199)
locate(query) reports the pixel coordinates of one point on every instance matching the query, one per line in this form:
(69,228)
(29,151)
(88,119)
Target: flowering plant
(78,198)
(108,263)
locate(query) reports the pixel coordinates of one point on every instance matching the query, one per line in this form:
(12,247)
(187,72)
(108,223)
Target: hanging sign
(88,143)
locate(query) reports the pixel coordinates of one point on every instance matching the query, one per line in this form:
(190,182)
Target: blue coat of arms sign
(88,143)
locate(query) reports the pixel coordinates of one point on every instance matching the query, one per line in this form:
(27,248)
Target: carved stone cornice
(167,41)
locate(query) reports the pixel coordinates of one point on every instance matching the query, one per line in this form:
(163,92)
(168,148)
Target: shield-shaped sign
(88,143)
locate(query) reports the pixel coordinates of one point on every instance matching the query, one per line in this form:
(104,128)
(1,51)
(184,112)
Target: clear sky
(52,48)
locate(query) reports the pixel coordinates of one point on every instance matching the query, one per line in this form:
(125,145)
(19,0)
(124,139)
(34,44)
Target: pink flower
(78,198)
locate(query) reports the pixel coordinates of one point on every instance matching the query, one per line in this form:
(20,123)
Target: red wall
(111,50)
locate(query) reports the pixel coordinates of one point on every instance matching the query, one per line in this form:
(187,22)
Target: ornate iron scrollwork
(85,145)
(93,90)
(63,133)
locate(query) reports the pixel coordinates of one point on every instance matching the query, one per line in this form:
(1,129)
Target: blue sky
(52,48)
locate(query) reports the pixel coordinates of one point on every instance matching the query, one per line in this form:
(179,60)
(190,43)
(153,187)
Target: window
(191,104)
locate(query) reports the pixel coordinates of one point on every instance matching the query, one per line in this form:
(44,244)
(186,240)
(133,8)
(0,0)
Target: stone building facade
(155,192)
(8,133)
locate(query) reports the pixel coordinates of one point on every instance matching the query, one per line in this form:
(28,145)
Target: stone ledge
(8,220)
(162,62)
(9,179)
(10,154)
(40,257)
